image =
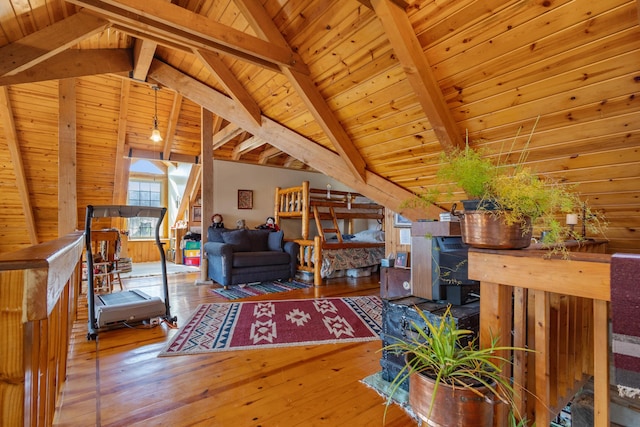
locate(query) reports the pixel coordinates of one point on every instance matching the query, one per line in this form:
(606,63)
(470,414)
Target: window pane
(143,193)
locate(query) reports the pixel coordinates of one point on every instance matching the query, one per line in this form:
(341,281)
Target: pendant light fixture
(155,134)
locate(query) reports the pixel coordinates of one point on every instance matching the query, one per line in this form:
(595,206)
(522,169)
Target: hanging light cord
(155,134)
(155,117)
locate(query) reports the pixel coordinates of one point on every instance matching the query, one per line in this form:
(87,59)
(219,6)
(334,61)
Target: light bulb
(155,136)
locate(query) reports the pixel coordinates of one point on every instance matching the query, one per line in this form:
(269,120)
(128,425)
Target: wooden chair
(104,245)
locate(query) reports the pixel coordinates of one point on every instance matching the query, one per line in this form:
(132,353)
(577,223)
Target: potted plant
(505,202)
(451,381)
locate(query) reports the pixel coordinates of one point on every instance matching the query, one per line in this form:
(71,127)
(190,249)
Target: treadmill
(119,309)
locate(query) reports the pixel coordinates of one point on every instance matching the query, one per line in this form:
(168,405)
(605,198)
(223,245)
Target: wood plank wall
(143,250)
(574,62)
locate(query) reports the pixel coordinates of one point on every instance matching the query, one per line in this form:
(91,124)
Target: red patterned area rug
(268,324)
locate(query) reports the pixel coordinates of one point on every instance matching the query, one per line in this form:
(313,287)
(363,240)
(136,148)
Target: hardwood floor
(118,380)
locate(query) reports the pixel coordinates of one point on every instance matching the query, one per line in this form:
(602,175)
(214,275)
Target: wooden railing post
(559,310)
(496,324)
(39,288)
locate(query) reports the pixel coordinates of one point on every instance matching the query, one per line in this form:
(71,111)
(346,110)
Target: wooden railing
(559,309)
(39,288)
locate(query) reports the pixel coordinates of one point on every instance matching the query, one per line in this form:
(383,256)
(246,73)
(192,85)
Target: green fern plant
(515,193)
(450,355)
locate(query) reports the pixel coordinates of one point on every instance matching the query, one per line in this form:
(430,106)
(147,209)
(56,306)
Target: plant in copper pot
(452,382)
(504,202)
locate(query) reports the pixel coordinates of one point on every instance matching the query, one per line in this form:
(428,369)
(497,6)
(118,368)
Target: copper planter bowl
(482,229)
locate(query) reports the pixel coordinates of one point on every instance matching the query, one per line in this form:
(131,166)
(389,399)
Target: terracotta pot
(452,406)
(482,229)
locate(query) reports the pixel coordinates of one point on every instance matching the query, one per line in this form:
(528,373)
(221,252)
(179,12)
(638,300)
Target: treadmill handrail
(127,211)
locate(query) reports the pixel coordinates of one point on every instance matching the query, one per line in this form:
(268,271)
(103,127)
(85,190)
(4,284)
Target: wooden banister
(39,288)
(556,307)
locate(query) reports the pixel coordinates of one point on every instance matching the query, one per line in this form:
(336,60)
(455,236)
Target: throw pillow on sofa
(215,234)
(259,240)
(275,241)
(239,239)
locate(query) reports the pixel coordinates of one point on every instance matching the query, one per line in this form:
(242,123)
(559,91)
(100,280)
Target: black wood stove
(399,317)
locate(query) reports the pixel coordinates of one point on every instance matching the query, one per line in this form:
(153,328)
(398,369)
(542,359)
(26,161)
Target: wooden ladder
(321,230)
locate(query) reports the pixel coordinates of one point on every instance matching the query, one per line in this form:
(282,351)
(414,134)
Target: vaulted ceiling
(366,91)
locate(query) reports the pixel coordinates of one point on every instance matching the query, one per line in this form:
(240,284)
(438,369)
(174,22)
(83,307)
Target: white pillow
(369,236)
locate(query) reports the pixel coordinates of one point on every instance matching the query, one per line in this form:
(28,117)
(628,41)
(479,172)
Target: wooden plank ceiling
(368,92)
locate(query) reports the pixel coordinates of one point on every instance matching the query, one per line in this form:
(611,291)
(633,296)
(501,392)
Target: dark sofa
(246,256)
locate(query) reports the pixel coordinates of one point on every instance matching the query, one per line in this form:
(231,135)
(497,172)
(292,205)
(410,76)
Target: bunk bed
(332,249)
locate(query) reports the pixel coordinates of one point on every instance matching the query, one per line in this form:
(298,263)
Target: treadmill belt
(118,298)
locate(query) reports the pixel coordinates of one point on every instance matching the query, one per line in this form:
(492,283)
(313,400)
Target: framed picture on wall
(245,199)
(196,214)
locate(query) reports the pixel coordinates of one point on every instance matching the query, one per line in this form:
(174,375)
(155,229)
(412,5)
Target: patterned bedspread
(342,259)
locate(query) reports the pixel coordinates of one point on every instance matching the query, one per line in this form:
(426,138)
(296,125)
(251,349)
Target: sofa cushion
(254,259)
(275,241)
(239,239)
(259,240)
(215,234)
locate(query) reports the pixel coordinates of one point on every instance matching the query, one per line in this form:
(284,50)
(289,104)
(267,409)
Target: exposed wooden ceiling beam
(418,70)
(306,88)
(227,134)
(147,35)
(184,158)
(247,145)
(51,40)
(307,151)
(228,80)
(290,160)
(138,153)
(143,51)
(172,125)
(180,25)
(74,63)
(267,154)
(401,3)
(11,136)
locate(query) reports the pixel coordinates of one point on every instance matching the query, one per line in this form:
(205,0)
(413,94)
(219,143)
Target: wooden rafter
(306,88)
(166,21)
(418,70)
(225,135)
(11,135)
(316,156)
(172,125)
(48,42)
(247,145)
(74,63)
(267,154)
(290,160)
(228,80)
(143,51)
(401,3)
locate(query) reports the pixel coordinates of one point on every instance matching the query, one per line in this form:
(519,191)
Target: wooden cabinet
(395,282)
(422,255)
